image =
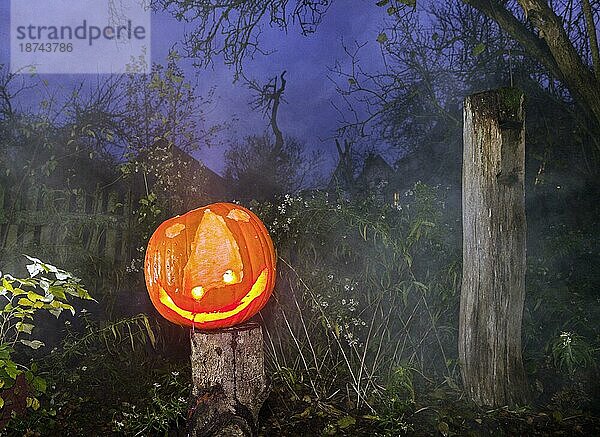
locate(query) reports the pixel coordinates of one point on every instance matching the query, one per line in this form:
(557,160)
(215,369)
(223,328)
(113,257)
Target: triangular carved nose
(213,252)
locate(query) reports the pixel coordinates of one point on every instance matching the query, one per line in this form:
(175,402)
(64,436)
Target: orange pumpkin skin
(211,268)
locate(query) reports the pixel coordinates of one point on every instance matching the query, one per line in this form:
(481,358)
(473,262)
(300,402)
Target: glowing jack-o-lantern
(210,268)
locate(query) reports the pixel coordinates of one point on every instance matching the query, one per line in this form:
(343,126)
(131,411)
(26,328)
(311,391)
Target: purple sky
(308,115)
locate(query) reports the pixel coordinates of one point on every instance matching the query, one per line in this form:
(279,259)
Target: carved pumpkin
(210,268)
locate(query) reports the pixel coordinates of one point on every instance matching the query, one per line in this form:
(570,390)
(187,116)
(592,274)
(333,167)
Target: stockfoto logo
(83,32)
(80,36)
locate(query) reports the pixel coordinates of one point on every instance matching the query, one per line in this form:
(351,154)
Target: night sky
(308,114)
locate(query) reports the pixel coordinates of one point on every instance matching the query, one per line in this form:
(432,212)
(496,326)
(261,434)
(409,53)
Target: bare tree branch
(231,28)
(268,98)
(552,47)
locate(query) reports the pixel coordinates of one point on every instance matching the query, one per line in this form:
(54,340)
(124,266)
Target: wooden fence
(66,227)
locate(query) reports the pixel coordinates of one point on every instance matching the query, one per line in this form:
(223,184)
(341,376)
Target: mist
(358,207)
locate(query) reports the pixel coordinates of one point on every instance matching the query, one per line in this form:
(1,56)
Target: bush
(366,289)
(46,289)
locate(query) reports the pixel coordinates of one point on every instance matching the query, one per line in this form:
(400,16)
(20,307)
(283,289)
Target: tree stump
(229,381)
(493,282)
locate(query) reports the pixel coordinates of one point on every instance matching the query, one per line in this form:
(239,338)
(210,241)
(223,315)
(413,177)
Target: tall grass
(367,296)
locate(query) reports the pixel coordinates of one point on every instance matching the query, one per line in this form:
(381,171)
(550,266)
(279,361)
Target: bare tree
(268,98)
(231,28)
(268,165)
(549,33)
(342,179)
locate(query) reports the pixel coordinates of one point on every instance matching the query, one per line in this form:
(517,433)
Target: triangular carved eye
(213,249)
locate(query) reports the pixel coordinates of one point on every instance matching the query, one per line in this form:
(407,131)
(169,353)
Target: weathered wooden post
(229,381)
(493,283)
(211,270)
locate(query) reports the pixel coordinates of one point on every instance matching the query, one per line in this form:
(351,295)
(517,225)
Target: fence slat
(65,225)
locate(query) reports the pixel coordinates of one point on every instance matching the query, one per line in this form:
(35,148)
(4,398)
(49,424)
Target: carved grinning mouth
(257,289)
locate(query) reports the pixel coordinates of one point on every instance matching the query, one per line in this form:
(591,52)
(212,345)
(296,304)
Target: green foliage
(401,384)
(165,117)
(98,374)
(571,352)
(368,289)
(259,169)
(561,299)
(148,215)
(46,289)
(165,407)
(109,337)
(478,49)
(382,38)
(397,403)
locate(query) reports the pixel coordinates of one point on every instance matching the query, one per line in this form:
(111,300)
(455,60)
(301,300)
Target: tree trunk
(550,46)
(229,381)
(493,283)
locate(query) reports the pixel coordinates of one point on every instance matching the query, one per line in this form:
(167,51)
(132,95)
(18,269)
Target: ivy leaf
(34,268)
(7,285)
(11,370)
(411,3)
(34,403)
(47,298)
(55,312)
(392,10)
(18,291)
(24,327)
(44,284)
(381,3)
(346,422)
(68,307)
(33,344)
(57,292)
(25,302)
(478,49)
(39,384)
(34,296)
(382,37)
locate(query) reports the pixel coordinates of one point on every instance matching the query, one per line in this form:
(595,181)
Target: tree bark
(592,37)
(493,283)
(229,381)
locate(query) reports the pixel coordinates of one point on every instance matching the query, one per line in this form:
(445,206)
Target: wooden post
(229,381)
(493,283)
